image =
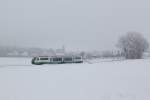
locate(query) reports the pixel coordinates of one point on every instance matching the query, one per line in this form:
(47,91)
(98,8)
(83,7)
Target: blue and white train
(56,60)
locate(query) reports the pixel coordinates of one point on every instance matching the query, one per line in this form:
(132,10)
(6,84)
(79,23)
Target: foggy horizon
(86,25)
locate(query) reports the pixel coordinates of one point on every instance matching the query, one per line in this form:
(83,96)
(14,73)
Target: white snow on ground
(117,80)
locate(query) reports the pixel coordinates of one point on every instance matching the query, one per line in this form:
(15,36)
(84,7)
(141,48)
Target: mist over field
(79,25)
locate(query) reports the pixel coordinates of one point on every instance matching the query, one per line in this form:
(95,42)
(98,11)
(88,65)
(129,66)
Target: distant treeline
(24,52)
(33,52)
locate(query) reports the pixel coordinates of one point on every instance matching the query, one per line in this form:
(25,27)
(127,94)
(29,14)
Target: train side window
(57,59)
(54,59)
(43,58)
(78,58)
(68,59)
(51,59)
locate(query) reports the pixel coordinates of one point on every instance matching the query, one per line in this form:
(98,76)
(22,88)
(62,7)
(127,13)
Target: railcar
(56,60)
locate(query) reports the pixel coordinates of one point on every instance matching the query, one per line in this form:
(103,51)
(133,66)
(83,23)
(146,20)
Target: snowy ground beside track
(97,80)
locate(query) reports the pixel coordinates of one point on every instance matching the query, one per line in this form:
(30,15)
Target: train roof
(56,56)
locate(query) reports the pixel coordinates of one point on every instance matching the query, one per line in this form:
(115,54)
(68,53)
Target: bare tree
(133,45)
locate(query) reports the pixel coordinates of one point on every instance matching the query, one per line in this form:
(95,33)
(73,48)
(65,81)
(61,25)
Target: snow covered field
(117,80)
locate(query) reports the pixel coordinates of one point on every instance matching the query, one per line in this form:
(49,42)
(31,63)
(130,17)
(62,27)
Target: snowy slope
(117,80)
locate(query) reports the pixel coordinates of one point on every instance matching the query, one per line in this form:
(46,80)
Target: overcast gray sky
(77,24)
